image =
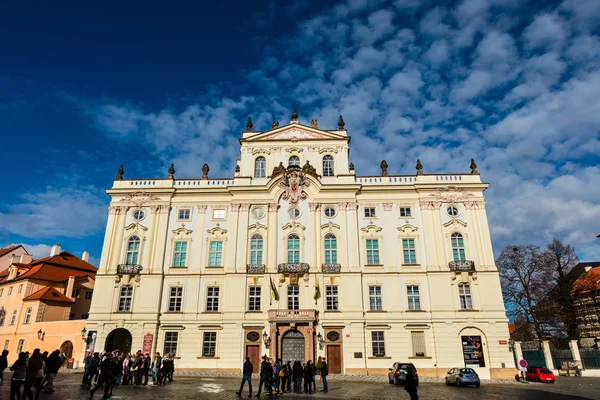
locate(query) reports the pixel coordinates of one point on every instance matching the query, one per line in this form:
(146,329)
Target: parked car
(462,377)
(539,374)
(397,374)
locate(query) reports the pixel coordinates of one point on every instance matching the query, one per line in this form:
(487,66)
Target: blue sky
(513,84)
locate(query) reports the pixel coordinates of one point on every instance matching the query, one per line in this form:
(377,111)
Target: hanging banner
(472,347)
(90,342)
(147,344)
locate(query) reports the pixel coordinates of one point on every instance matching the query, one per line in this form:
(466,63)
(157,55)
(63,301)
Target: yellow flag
(274,290)
(317,290)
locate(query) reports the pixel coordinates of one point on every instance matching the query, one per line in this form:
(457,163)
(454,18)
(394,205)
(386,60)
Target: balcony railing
(332,268)
(293,268)
(464,265)
(292,315)
(129,269)
(255,268)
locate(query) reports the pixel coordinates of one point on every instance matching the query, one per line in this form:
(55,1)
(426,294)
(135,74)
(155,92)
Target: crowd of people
(112,369)
(277,377)
(35,371)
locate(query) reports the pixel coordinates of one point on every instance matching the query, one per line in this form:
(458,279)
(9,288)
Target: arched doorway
(67,349)
(119,339)
(292,347)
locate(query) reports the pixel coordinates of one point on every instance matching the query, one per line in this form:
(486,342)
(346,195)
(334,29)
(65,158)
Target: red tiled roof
(55,269)
(588,281)
(49,294)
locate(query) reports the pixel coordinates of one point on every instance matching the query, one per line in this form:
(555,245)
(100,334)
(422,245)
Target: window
(10,290)
(215,254)
(464,294)
(27,316)
(331,297)
(212,299)
(2,317)
(85,316)
(414,298)
(293,297)
(209,344)
(458,247)
(180,254)
(378,344)
(14,317)
(293,249)
(20,346)
(125,298)
(88,295)
(260,167)
(258,212)
(138,215)
(293,213)
(185,214)
(133,250)
(405,212)
(372,251)
(418,344)
(175,299)
(409,251)
(20,288)
(71,316)
(452,211)
(6,343)
(254,298)
(171,342)
(330,212)
(256,249)
(294,160)
(330,249)
(328,165)
(375,300)
(370,212)
(219,214)
(75,293)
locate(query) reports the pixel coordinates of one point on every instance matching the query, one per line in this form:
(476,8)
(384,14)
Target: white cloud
(546,30)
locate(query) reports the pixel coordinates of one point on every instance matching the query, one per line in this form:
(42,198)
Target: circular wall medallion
(452,211)
(258,212)
(333,336)
(329,212)
(139,215)
(253,336)
(294,213)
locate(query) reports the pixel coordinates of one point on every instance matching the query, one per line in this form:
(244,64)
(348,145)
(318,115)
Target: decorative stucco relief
(139,198)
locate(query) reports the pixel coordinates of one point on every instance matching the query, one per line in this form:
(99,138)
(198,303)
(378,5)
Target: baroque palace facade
(297,257)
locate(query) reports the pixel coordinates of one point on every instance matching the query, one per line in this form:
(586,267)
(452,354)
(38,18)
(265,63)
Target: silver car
(462,377)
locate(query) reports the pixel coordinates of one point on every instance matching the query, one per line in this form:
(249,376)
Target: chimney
(26,258)
(55,250)
(69,289)
(85,256)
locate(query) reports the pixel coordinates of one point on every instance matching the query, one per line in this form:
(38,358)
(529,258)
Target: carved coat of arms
(294,184)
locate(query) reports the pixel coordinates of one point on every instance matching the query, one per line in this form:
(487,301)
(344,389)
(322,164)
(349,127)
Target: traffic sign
(523,363)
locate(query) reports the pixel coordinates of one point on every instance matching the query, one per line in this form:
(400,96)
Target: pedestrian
(324,373)
(53,364)
(410,385)
(284,371)
(297,372)
(115,372)
(45,360)
(146,368)
(308,375)
(35,375)
(289,376)
(127,369)
(137,368)
(105,371)
(19,369)
(266,374)
(3,365)
(86,367)
(316,370)
(92,370)
(156,364)
(247,376)
(278,375)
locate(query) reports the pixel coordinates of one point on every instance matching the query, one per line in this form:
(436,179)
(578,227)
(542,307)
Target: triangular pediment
(295,132)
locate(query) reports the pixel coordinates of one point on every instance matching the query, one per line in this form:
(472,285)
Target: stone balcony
(255,268)
(331,268)
(129,269)
(288,268)
(461,266)
(306,315)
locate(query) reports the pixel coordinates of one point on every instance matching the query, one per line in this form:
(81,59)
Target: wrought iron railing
(255,268)
(289,268)
(129,269)
(464,265)
(332,268)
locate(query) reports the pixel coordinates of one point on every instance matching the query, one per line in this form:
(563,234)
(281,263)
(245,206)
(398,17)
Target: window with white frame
(215,254)
(185,214)
(375,298)
(378,343)
(372,251)
(464,294)
(294,160)
(331,297)
(256,249)
(405,212)
(370,212)
(414,297)
(27,316)
(293,249)
(260,167)
(418,344)
(180,254)
(14,317)
(133,250)
(20,345)
(75,293)
(209,344)
(330,249)
(125,298)
(171,339)
(328,165)
(458,246)
(10,290)
(293,297)
(175,299)
(219,213)
(409,251)
(254,298)
(20,288)
(88,295)
(212,299)
(2,317)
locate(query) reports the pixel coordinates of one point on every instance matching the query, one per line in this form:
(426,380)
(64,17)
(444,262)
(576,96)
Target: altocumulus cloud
(514,86)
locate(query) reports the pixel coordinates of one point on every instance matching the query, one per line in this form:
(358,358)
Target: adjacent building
(298,256)
(586,293)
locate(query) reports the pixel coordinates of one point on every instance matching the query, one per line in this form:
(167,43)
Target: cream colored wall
(12,257)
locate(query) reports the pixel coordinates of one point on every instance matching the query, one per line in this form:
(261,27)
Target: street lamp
(266,339)
(41,334)
(320,340)
(83,332)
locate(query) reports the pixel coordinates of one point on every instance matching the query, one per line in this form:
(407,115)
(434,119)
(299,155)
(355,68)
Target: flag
(274,293)
(317,290)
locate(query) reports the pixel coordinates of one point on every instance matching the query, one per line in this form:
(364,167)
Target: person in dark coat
(247,372)
(92,370)
(266,374)
(288,376)
(146,368)
(411,383)
(115,371)
(308,377)
(53,363)
(105,376)
(3,364)
(324,373)
(35,376)
(297,374)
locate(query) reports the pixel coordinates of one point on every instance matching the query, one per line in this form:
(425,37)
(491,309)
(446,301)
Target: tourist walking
(247,371)
(52,365)
(86,367)
(35,375)
(324,373)
(297,371)
(92,370)
(308,377)
(289,376)
(266,374)
(19,369)
(411,383)
(3,365)
(156,364)
(104,380)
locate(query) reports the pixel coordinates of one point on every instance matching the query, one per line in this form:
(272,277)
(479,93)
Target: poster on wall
(147,343)
(472,347)
(90,341)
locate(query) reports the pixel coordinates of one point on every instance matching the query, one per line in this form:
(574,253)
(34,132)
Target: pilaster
(353,239)
(343,238)
(231,264)
(271,264)
(315,228)
(242,238)
(199,244)
(119,232)
(162,215)
(389,238)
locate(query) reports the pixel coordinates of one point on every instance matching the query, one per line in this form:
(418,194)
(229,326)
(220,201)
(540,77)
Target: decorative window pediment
(217,231)
(455,223)
(257,227)
(407,228)
(293,226)
(371,229)
(133,227)
(294,150)
(328,150)
(182,232)
(260,151)
(330,225)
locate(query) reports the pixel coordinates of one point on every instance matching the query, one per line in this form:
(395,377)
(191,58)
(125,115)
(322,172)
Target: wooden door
(253,351)
(334,358)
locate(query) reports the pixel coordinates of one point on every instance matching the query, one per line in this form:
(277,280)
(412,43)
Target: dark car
(397,374)
(462,377)
(538,374)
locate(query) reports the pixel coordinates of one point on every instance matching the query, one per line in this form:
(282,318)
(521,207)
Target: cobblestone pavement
(68,388)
